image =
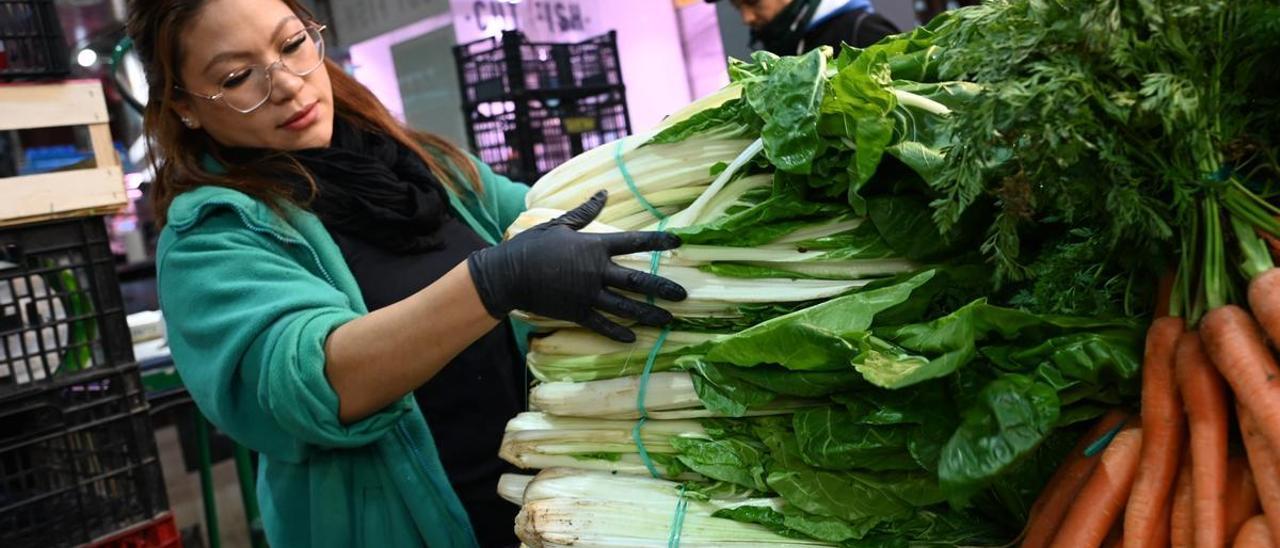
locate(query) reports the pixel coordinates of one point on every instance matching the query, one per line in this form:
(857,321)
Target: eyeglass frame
(269,70)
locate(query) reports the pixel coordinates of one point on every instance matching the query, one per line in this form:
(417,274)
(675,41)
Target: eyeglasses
(249,87)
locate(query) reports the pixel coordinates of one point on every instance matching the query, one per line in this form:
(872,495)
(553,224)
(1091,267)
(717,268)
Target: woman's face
(225,49)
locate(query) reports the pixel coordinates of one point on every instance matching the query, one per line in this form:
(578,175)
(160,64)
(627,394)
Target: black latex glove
(555,271)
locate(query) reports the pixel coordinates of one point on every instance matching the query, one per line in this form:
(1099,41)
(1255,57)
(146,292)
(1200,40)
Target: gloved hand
(555,271)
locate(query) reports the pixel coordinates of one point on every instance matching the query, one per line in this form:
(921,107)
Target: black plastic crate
(61,312)
(31,41)
(526,138)
(78,460)
(501,67)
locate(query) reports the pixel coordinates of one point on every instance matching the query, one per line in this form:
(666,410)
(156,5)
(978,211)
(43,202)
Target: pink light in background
(652,58)
(703,50)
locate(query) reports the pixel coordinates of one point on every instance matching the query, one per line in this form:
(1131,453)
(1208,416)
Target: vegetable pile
(917,274)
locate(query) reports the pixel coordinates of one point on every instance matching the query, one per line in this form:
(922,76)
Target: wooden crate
(81,192)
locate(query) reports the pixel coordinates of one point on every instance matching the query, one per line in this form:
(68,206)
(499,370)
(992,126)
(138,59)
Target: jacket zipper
(406,439)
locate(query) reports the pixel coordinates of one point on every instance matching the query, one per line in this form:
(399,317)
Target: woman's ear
(183,109)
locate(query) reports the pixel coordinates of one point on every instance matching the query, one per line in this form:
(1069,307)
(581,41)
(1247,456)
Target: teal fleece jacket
(249,297)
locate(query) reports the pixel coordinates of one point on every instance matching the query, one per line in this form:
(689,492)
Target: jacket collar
(190,207)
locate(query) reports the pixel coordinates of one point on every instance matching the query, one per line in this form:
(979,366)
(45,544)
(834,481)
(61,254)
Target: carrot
(1266,306)
(1181,528)
(1255,534)
(1265,467)
(1162,430)
(1242,495)
(1051,506)
(1205,397)
(1101,501)
(1232,339)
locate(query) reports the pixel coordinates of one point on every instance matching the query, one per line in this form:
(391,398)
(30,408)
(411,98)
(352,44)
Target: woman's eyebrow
(229,55)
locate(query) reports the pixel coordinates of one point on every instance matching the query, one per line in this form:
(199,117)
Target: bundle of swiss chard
(906,287)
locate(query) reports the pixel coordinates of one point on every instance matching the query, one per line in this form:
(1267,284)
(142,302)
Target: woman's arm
(550,270)
(376,359)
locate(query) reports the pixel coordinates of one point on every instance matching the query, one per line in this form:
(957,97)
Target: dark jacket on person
(858,27)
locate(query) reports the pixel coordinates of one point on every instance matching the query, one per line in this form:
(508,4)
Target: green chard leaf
(799,384)
(904,221)
(736,460)
(903,355)
(727,120)
(850,495)
(1090,357)
(778,215)
(788,100)
(1013,416)
(860,105)
(721,392)
(760,515)
(811,339)
(831,439)
(919,404)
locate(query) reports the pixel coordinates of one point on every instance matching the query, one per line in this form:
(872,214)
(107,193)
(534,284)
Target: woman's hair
(177,153)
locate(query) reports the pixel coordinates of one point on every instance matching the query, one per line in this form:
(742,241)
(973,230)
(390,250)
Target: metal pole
(248,494)
(206,480)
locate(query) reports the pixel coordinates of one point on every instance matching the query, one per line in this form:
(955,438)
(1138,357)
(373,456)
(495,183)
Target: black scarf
(369,187)
(782,35)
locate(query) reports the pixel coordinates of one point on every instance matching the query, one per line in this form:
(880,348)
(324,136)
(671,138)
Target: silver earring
(188,122)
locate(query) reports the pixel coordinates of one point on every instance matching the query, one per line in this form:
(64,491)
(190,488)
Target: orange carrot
(1242,495)
(1051,506)
(1162,430)
(1265,467)
(1255,534)
(1232,339)
(1101,502)
(1181,530)
(1205,397)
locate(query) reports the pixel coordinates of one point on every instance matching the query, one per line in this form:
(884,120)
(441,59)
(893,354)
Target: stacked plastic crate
(78,460)
(529,107)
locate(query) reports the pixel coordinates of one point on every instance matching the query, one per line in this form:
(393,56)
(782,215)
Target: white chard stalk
(594,509)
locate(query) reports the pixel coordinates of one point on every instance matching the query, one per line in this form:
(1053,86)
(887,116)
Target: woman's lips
(302,119)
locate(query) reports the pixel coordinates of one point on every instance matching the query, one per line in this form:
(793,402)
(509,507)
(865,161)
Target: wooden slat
(90,212)
(27,106)
(104,153)
(61,194)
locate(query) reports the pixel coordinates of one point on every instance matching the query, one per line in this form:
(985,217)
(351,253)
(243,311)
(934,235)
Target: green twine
(654,263)
(1103,441)
(631,183)
(677,520)
(1222,174)
(640,398)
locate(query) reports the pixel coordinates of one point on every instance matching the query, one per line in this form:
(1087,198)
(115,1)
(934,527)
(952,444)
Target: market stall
(1002,279)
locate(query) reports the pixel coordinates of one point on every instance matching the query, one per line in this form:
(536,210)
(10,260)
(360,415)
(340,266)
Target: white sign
(540,20)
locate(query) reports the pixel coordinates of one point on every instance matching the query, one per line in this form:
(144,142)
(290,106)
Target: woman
(329,277)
